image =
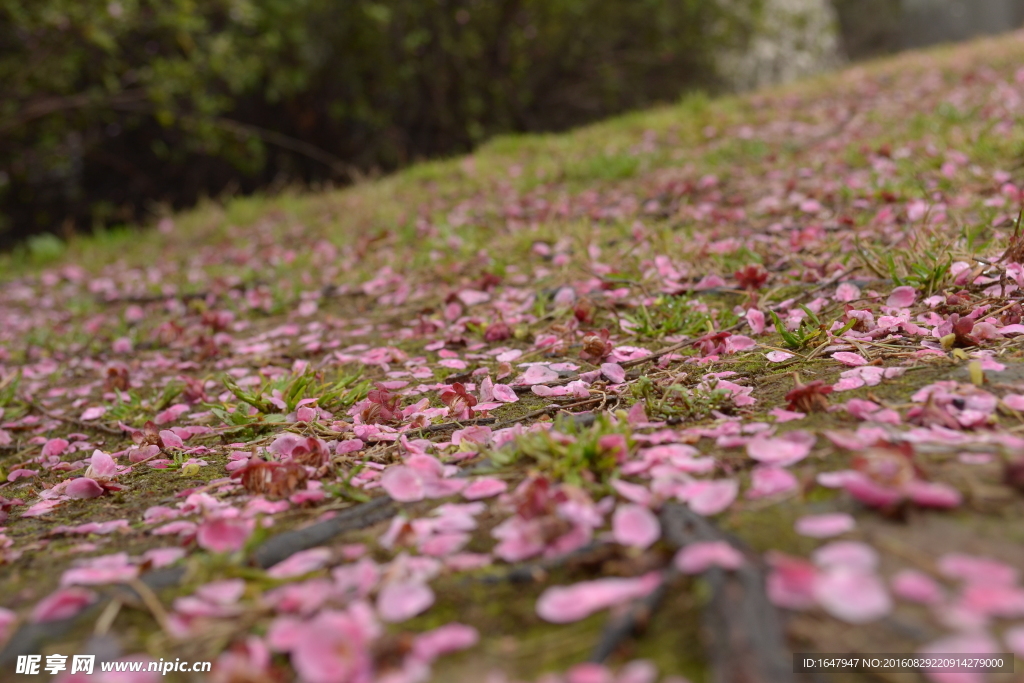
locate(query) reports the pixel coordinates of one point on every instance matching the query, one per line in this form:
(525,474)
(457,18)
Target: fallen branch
(547,410)
(746,641)
(283,546)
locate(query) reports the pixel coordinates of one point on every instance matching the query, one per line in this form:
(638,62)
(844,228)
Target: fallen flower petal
(916,586)
(824,526)
(613,372)
(714,497)
(484,487)
(443,640)
(696,558)
(83,487)
(62,604)
(224,535)
(564,604)
(93,413)
(403,483)
(302,562)
(400,601)
(635,525)
(901,297)
(852,595)
(852,359)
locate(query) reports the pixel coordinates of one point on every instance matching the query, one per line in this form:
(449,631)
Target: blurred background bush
(114,110)
(110,108)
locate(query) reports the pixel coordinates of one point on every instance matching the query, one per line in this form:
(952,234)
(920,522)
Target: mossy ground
(448,223)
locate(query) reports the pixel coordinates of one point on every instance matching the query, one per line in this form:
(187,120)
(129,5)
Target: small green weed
(673,315)
(803,335)
(290,390)
(677,401)
(570,452)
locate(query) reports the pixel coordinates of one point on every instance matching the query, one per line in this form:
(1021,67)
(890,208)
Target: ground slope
(678,394)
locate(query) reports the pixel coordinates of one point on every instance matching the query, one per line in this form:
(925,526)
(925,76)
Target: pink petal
(915,586)
(755,319)
(869,492)
(114,568)
(778,356)
(181,527)
(1014,638)
(443,640)
(613,372)
(171,414)
(472,297)
(40,508)
(444,544)
(427,466)
(640,671)
(739,342)
(824,526)
(400,601)
(784,450)
(545,391)
(848,554)
(62,604)
(847,291)
(101,465)
(769,480)
(637,414)
(55,447)
(852,595)
(83,487)
(505,393)
(403,483)
(302,562)
(901,297)
(791,583)
(715,497)
(852,359)
(975,569)
(21,473)
(222,534)
(589,672)
(635,525)
(93,413)
(162,557)
(284,444)
(479,435)
(960,644)
(932,494)
(993,600)
(171,440)
(848,383)
(564,604)
(696,558)
(632,492)
(333,647)
(782,415)
(1015,401)
(442,488)
(484,487)
(538,374)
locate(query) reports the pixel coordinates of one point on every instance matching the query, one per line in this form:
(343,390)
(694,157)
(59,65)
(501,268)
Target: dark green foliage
(108,107)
